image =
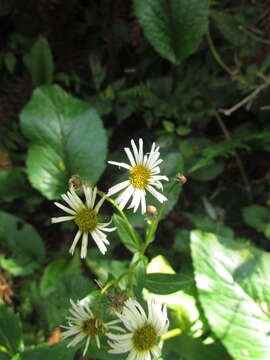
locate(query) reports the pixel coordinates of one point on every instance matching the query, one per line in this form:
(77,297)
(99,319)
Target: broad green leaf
(102,353)
(24,243)
(125,235)
(230,297)
(3,355)
(190,348)
(163,284)
(10,330)
(53,273)
(173,27)
(17,357)
(67,137)
(58,351)
(257,217)
(208,170)
(12,185)
(206,224)
(39,62)
(53,308)
(20,265)
(252,275)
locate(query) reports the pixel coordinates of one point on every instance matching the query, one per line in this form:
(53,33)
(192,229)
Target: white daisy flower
(144,331)
(143,170)
(83,324)
(85,217)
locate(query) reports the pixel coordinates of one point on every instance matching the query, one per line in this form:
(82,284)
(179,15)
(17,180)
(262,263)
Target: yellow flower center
(91,327)
(145,338)
(86,219)
(139,176)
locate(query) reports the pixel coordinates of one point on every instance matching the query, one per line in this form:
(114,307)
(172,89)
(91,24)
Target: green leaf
(230,297)
(54,307)
(183,130)
(257,217)
(53,273)
(10,330)
(3,355)
(208,171)
(124,234)
(24,243)
(206,224)
(229,26)
(17,357)
(173,27)
(54,352)
(67,137)
(168,126)
(39,62)
(10,61)
(164,284)
(12,185)
(190,348)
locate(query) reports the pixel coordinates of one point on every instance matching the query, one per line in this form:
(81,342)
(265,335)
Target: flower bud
(117,301)
(151,210)
(75,182)
(181,179)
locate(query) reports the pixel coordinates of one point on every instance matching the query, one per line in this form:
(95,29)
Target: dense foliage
(79,80)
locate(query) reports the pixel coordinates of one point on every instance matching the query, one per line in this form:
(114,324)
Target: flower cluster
(143,176)
(140,338)
(134,331)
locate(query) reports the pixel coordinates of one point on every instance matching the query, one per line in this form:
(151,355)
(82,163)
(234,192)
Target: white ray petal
(75,241)
(130,156)
(99,204)
(124,165)
(61,218)
(116,188)
(161,198)
(124,197)
(66,209)
(84,245)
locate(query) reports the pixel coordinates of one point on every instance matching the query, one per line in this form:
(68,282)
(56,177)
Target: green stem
(129,226)
(116,281)
(153,227)
(216,54)
(152,230)
(253,36)
(239,162)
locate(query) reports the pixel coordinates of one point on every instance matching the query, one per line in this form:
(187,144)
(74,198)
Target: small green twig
(247,99)
(116,281)
(217,56)
(253,36)
(152,230)
(239,162)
